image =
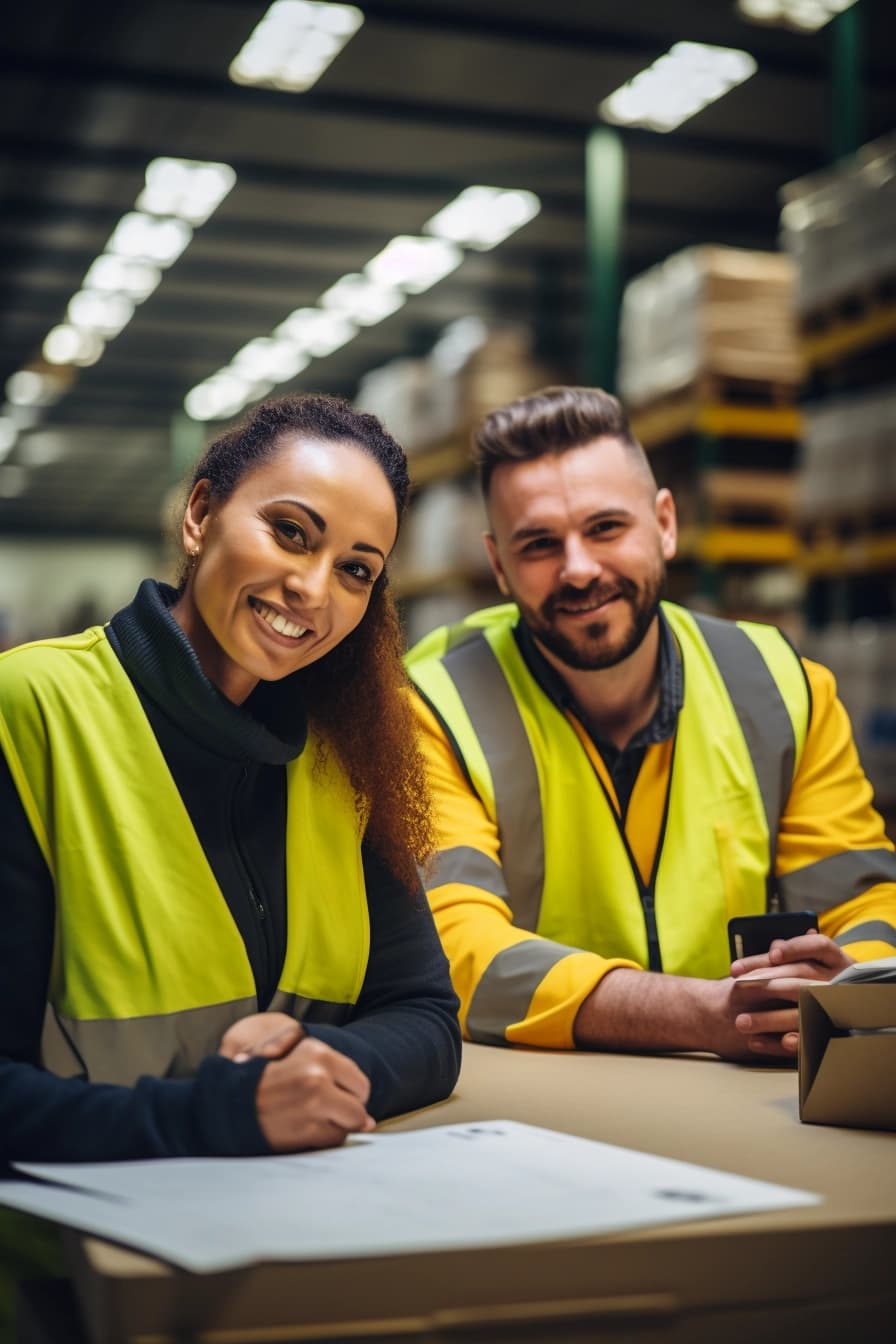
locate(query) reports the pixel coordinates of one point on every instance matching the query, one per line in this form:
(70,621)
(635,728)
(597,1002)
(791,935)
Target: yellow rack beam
(848,338)
(660,424)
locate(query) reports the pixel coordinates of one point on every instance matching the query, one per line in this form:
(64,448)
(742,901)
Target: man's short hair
(551,420)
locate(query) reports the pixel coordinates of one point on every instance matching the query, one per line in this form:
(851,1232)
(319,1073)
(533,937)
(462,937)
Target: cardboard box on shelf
(708,311)
(847,1064)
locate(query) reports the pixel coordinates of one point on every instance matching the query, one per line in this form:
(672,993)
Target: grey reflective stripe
(496,722)
(311,1010)
(169,1045)
(505,991)
(761,712)
(120,1050)
(839,878)
(872,931)
(468,865)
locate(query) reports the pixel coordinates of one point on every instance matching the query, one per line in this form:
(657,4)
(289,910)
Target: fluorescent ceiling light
(316,331)
(482,217)
(222,395)
(106,314)
(191,189)
(122,275)
(805,16)
(30,388)
(679,84)
(267,358)
(414,264)
(294,43)
(149,238)
(361,300)
(66,344)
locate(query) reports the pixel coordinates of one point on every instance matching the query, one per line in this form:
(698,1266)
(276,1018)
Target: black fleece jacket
(229,765)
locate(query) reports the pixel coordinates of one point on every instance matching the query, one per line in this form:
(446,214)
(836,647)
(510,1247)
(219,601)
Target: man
(615,777)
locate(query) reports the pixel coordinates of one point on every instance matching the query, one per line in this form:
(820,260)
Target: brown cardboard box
(847,1068)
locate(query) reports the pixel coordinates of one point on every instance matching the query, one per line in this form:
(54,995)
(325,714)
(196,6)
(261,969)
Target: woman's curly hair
(357,695)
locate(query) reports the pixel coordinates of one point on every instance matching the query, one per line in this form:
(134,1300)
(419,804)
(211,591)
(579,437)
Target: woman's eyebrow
(321,526)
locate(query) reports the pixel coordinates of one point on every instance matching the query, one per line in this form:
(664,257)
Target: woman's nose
(308,580)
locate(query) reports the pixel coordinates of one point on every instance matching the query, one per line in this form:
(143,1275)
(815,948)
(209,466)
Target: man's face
(580,541)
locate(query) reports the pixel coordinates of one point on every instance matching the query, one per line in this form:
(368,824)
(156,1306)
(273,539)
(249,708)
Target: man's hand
(268,1034)
(770,1024)
(809,956)
(312,1098)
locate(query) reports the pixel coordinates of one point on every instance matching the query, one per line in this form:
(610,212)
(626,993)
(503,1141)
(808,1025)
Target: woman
(214,805)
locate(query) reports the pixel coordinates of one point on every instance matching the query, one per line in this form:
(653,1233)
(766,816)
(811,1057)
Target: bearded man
(615,776)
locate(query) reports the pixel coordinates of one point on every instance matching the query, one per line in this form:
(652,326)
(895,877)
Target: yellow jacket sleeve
(834,855)
(490,957)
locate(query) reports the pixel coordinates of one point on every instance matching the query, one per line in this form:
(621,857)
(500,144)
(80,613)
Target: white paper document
(451,1187)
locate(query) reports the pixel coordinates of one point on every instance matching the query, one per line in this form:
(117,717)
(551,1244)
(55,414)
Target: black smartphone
(751,935)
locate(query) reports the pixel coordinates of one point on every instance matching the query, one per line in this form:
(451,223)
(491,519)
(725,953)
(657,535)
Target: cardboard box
(847,1066)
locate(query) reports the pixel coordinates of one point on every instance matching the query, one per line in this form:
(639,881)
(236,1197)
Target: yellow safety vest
(569,871)
(149,968)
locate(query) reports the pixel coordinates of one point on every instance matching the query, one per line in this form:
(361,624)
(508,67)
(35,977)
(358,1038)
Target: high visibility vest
(567,861)
(149,968)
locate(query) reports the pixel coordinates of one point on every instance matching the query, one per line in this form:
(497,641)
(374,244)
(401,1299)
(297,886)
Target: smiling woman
(216,816)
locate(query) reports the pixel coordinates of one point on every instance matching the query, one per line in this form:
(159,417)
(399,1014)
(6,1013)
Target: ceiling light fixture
(315,332)
(482,217)
(361,300)
(190,189)
(689,77)
(66,344)
(9,432)
(805,16)
(293,44)
(413,264)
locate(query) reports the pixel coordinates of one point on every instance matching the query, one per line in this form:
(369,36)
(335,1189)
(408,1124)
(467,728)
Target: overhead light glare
(361,300)
(805,16)
(270,359)
(150,238)
(481,217)
(106,314)
(122,275)
(42,448)
(67,344)
(689,77)
(316,331)
(414,264)
(218,397)
(191,189)
(27,387)
(293,44)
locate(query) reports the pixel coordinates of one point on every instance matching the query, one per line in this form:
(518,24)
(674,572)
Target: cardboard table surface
(828,1267)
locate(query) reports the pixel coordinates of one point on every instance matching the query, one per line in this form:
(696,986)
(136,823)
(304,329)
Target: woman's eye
(358,570)
(291,531)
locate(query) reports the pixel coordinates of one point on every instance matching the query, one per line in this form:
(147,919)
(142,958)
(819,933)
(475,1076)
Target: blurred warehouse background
(432,206)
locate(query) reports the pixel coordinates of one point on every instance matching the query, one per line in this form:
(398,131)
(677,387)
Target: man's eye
(538,544)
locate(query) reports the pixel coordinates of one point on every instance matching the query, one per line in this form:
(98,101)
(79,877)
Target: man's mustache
(595,592)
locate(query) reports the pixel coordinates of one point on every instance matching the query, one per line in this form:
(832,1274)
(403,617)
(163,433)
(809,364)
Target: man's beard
(589,653)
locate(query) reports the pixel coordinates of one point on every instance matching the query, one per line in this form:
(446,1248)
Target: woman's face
(285,565)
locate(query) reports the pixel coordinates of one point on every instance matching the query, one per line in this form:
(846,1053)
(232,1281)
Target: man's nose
(580,564)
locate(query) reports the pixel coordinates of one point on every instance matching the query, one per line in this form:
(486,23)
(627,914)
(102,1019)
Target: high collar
(270,727)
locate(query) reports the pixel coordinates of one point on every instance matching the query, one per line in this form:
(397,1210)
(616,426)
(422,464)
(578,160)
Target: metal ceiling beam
(61,72)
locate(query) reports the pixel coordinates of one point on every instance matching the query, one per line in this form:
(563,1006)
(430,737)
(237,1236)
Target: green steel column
(187,440)
(604,203)
(847,90)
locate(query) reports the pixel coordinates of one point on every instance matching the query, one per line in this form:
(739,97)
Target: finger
(774,1047)
(743,965)
(276,1045)
(344,1072)
(775,1022)
(805,947)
